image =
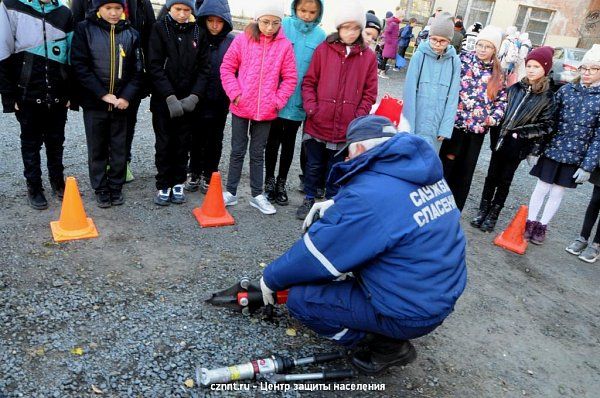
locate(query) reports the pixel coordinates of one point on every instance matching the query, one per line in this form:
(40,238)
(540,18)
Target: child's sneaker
(128,174)
(262,204)
(117,198)
(192,183)
(103,199)
(177,195)
(303,210)
(229,199)
(204,184)
(163,197)
(591,253)
(539,234)
(577,246)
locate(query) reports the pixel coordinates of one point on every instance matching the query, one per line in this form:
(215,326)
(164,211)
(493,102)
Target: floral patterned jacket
(577,137)
(476,112)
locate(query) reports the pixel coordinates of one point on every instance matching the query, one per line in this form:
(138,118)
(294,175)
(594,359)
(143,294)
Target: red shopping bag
(391,108)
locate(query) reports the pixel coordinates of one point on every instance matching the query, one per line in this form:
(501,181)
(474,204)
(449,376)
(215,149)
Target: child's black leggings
(591,215)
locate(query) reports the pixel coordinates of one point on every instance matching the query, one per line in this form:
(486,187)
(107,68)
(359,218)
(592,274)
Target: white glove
(532,160)
(581,176)
(267,293)
(320,207)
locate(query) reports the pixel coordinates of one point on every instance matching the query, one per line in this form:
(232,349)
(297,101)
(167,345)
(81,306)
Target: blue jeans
(319,161)
(341,312)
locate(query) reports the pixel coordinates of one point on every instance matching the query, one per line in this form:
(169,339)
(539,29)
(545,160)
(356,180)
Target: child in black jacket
(207,143)
(107,61)
(529,118)
(178,63)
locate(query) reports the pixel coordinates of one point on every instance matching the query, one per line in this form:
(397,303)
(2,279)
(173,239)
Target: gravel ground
(123,315)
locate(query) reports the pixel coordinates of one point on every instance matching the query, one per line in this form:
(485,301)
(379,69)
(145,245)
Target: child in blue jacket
(572,152)
(432,85)
(405,35)
(302,29)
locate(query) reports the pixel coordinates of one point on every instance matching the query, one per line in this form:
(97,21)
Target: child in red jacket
(340,85)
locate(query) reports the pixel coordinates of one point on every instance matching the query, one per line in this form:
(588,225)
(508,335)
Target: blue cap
(368,127)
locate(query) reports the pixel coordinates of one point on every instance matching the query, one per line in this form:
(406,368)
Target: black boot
(58,187)
(270,192)
(383,352)
(490,221)
(35,195)
(484,208)
(281,196)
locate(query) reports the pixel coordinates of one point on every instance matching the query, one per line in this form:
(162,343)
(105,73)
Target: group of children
(456,100)
(275,75)
(278,74)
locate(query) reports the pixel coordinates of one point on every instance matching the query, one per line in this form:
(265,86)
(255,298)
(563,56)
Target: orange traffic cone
(213,212)
(73,223)
(512,237)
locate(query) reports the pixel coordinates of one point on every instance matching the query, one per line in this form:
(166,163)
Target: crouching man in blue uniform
(393,225)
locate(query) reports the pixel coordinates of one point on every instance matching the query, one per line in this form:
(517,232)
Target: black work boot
(35,195)
(281,196)
(270,189)
(482,213)
(58,187)
(381,353)
(490,221)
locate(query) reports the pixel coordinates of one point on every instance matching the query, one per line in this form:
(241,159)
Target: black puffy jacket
(216,102)
(530,116)
(178,61)
(106,59)
(141,16)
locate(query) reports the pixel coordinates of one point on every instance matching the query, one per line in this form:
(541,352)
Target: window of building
(475,11)
(420,9)
(535,21)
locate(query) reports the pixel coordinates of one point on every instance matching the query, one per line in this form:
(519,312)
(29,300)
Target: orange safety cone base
(73,223)
(512,237)
(61,235)
(514,247)
(213,212)
(208,221)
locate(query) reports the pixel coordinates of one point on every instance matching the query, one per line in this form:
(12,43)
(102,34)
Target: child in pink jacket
(259,76)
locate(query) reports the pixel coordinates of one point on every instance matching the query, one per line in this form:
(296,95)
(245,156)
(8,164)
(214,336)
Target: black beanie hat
(96,4)
(373,22)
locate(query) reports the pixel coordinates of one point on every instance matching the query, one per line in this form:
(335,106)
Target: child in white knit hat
(340,85)
(259,76)
(481,105)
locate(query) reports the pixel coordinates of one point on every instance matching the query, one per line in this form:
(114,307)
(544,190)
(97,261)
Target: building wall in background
(550,22)
(569,22)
